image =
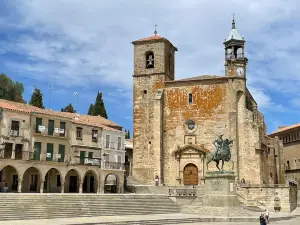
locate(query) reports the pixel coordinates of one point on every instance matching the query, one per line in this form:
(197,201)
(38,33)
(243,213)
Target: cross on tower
(233,14)
(155,31)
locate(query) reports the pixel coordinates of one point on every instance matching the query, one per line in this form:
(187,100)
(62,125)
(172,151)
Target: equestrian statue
(221,152)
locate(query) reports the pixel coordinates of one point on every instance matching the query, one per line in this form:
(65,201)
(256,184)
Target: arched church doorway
(111,183)
(190,175)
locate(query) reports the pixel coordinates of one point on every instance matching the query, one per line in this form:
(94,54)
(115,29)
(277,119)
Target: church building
(175,122)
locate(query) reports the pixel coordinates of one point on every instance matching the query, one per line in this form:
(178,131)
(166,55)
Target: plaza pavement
(136,218)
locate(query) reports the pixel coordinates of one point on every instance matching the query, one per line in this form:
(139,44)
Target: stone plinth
(220,189)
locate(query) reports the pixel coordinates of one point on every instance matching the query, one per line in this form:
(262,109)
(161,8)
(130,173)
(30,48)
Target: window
(49,154)
(119,143)
(61,152)
(82,156)
(62,127)
(149,60)
(79,133)
(106,157)
(107,141)
(58,184)
(119,159)
(288,165)
(94,135)
(90,155)
(145,92)
(190,98)
(38,123)
(50,127)
(37,150)
(15,125)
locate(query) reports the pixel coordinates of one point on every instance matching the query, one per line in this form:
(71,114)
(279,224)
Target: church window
(288,165)
(145,92)
(149,60)
(190,98)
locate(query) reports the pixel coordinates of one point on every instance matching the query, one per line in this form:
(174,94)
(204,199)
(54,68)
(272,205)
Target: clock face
(240,71)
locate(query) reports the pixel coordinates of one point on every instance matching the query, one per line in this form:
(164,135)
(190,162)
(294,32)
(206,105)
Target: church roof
(153,37)
(234,34)
(202,77)
(285,128)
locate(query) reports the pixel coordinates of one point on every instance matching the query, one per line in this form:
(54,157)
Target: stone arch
(53,177)
(9,178)
(32,180)
(149,59)
(111,183)
(190,174)
(72,181)
(90,182)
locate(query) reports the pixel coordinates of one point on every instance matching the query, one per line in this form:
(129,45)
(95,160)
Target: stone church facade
(175,122)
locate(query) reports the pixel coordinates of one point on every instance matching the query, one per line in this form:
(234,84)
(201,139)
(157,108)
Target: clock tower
(235,60)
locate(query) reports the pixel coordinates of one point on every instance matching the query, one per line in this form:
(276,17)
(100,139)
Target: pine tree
(91,109)
(99,108)
(68,108)
(128,134)
(37,98)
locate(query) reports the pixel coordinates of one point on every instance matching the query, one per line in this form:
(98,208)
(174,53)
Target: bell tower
(235,60)
(153,66)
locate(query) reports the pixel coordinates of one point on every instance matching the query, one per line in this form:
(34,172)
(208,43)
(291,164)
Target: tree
(99,108)
(91,109)
(68,108)
(37,98)
(128,134)
(11,90)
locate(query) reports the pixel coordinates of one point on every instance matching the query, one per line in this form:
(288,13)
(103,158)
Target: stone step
(34,206)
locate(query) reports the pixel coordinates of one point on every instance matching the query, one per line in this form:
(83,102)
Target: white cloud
(81,43)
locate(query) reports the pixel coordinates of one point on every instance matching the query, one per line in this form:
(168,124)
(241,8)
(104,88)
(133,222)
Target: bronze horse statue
(221,153)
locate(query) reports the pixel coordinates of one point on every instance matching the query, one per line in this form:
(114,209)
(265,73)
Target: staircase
(45,206)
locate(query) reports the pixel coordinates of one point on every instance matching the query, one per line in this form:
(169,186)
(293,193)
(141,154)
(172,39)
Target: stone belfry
(153,66)
(235,60)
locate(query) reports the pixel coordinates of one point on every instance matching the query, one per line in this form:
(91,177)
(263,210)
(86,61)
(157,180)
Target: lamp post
(76,94)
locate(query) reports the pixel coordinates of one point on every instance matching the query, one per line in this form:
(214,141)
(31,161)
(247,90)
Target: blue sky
(84,46)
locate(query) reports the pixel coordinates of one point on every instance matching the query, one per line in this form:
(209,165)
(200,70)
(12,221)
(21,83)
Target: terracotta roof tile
(285,128)
(96,121)
(202,77)
(154,37)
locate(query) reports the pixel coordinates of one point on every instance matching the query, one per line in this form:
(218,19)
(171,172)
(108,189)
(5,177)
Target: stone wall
(269,196)
(293,175)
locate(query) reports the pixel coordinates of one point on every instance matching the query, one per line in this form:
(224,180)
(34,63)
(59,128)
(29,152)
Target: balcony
(49,131)
(113,145)
(113,165)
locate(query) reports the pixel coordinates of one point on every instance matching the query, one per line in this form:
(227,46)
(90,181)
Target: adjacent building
(46,151)
(290,137)
(176,122)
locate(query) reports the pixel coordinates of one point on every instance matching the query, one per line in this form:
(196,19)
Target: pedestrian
(262,219)
(267,215)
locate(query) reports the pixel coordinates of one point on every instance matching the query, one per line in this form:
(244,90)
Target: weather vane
(155,31)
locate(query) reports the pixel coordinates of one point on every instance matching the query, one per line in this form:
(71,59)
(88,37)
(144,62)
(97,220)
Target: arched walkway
(72,181)
(190,174)
(111,183)
(52,182)
(90,182)
(31,180)
(9,179)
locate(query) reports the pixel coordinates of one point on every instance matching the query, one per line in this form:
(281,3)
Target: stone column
(20,185)
(13,151)
(101,183)
(80,186)
(42,186)
(62,185)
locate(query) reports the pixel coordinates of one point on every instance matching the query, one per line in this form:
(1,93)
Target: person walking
(262,219)
(267,215)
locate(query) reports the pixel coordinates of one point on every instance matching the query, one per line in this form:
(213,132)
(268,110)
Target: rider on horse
(219,145)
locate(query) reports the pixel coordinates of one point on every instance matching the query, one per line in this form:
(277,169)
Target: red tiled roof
(285,128)
(154,37)
(96,121)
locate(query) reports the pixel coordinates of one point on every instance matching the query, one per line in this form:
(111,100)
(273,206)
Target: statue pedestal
(220,189)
